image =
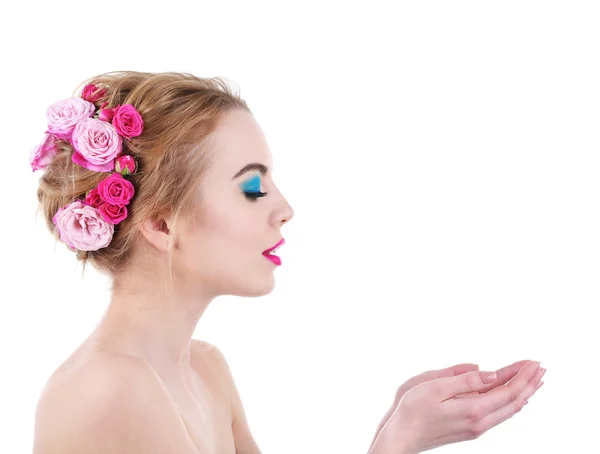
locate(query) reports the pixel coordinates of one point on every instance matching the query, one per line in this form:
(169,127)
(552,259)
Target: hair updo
(179,113)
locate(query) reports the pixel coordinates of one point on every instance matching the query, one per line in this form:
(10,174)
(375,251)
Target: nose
(284,213)
(288,213)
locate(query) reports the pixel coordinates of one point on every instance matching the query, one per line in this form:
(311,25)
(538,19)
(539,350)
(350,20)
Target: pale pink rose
(127,121)
(93,199)
(82,227)
(92,93)
(64,115)
(44,153)
(96,144)
(125,165)
(112,213)
(116,190)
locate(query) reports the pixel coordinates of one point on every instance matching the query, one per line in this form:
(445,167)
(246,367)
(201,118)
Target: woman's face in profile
(241,212)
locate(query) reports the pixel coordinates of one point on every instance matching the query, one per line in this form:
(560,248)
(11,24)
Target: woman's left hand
(504,375)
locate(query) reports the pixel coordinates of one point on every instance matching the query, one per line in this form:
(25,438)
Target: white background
(442,160)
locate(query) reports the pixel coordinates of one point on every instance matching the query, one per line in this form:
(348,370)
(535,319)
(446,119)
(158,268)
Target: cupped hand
(433,412)
(504,375)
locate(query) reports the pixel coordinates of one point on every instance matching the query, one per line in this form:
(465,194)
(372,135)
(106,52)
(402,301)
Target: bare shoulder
(111,403)
(203,351)
(207,353)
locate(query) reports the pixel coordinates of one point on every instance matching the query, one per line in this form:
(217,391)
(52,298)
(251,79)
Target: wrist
(386,444)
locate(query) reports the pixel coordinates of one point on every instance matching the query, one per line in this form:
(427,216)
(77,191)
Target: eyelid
(252,185)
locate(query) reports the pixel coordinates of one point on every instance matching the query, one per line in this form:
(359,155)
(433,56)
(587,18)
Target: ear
(158,232)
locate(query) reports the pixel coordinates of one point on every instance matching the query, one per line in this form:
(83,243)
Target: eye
(253,196)
(251,189)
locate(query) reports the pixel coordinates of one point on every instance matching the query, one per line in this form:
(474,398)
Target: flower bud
(125,165)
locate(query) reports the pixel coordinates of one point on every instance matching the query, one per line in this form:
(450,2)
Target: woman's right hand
(451,409)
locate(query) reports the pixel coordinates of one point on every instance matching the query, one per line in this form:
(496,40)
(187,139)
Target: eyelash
(253,196)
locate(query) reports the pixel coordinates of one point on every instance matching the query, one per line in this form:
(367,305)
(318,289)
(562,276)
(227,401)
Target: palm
(504,375)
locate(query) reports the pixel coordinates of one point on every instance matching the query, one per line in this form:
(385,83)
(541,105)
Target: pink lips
(273,258)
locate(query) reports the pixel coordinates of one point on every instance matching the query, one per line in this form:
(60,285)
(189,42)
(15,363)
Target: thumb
(469,382)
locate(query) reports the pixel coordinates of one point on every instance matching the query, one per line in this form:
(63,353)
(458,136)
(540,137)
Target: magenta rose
(64,115)
(112,213)
(106,114)
(125,165)
(92,93)
(93,199)
(43,153)
(82,227)
(127,121)
(116,190)
(97,144)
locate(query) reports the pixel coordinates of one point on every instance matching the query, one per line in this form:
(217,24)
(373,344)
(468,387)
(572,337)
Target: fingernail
(525,403)
(488,377)
(539,386)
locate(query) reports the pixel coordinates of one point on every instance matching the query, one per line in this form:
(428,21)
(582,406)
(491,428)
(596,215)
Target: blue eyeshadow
(252,185)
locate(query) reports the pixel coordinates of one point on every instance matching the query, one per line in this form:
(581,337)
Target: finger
(507,394)
(507,373)
(508,411)
(449,387)
(504,375)
(439,373)
(459,369)
(451,371)
(432,375)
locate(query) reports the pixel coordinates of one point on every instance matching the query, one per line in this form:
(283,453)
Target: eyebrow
(252,166)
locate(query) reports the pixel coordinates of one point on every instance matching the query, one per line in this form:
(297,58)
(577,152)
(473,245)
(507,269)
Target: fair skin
(140,383)
(146,331)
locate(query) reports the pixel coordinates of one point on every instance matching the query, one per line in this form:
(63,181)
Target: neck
(153,318)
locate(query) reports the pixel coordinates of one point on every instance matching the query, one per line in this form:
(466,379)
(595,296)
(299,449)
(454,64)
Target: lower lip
(273,258)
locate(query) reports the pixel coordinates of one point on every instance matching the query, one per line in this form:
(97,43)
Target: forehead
(238,141)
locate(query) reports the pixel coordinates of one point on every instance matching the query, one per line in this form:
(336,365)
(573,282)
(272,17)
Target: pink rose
(125,165)
(82,227)
(106,114)
(93,199)
(112,213)
(64,115)
(116,190)
(92,93)
(127,121)
(97,144)
(44,153)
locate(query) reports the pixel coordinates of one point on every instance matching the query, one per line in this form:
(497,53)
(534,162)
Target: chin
(256,288)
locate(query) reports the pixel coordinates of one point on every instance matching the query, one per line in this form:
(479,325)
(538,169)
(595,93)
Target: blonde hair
(179,111)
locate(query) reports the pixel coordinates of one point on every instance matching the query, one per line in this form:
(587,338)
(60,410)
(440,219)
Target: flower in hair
(105,114)
(96,144)
(115,190)
(42,154)
(93,199)
(88,224)
(125,165)
(112,213)
(82,227)
(110,198)
(92,93)
(64,115)
(127,121)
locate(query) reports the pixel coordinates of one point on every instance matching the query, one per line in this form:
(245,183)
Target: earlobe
(157,232)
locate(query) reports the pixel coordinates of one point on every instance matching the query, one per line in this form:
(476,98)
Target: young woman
(163,181)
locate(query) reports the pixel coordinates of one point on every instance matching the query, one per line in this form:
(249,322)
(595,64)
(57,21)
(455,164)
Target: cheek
(226,235)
